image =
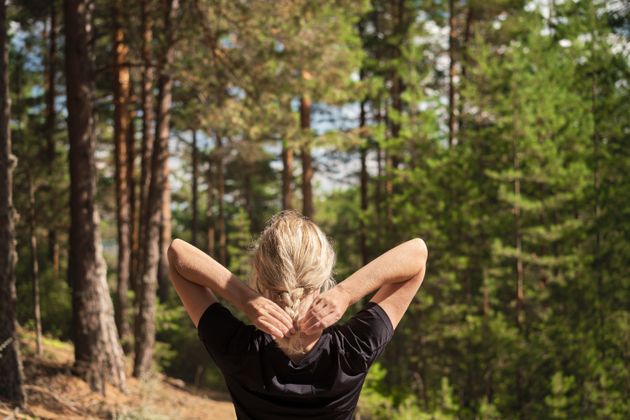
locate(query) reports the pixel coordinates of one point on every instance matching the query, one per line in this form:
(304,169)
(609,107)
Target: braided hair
(292,262)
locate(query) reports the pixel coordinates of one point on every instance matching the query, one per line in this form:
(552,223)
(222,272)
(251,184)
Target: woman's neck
(309,342)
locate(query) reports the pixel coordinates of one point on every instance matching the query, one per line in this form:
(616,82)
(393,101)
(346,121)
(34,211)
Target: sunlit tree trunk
(32,223)
(98,355)
(363,180)
(164,284)
(145,319)
(121,140)
(287,175)
(210,220)
(220,180)
(146,151)
(451,72)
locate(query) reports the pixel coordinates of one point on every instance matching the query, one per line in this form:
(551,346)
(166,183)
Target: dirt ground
(53,393)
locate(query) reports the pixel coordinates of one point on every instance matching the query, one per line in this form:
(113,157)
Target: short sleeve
(365,336)
(225,337)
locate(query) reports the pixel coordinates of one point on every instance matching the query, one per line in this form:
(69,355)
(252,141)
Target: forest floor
(54,393)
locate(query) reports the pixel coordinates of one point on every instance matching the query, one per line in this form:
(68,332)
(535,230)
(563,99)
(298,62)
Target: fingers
(280,315)
(321,324)
(316,318)
(318,309)
(270,328)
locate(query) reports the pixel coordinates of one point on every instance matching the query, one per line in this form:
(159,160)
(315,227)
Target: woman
(295,362)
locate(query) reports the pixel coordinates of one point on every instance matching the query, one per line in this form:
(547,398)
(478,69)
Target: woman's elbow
(421,249)
(173,251)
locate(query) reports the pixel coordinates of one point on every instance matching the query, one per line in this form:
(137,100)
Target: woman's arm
(189,264)
(397,274)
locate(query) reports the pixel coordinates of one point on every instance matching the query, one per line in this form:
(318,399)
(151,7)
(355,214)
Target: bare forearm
(399,264)
(197,267)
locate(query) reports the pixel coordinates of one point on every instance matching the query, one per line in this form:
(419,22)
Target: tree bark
(34,266)
(164,284)
(145,319)
(363,181)
(147,137)
(210,202)
(98,355)
(464,59)
(121,134)
(11,373)
(451,73)
(221,199)
(287,175)
(194,186)
(517,228)
(53,245)
(134,222)
(307,161)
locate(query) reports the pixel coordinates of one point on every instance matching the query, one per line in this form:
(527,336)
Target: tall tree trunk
(134,223)
(145,320)
(363,180)
(451,73)
(221,199)
(210,202)
(517,237)
(195,192)
(121,134)
(464,59)
(519,314)
(287,175)
(53,245)
(11,374)
(32,222)
(164,284)
(146,152)
(98,355)
(307,161)
(249,201)
(378,194)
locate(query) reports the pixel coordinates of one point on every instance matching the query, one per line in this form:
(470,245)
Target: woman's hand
(325,310)
(267,316)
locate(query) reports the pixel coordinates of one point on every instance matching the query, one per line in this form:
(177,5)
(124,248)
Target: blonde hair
(291,260)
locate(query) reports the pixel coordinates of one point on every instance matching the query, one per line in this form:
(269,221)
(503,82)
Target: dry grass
(54,393)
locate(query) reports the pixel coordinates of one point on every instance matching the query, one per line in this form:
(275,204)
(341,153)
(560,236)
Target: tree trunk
(195,192)
(378,194)
(53,246)
(307,161)
(98,355)
(145,320)
(249,202)
(451,73)
(11,374)
(287,175)
(34,266)
(464,65)
(221,199)
(363,182)
(134,222)
(164,284)
(121,134)
(209,214)
(147,137)
(517,239)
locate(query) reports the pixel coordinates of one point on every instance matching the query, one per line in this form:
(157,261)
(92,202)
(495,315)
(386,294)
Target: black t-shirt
(266,384)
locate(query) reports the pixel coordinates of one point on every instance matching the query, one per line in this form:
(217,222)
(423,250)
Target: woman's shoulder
(363,336)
